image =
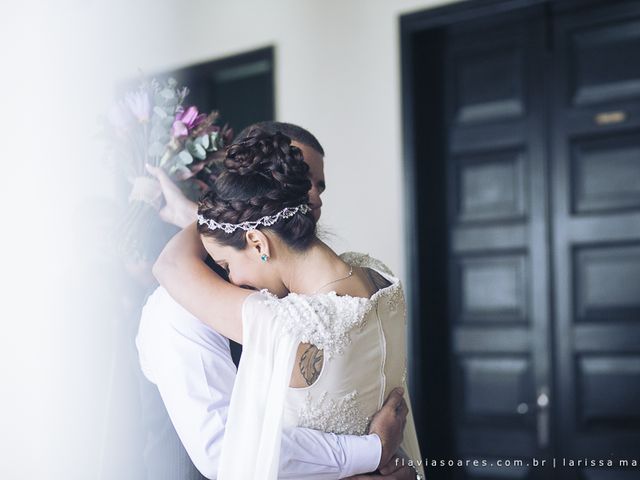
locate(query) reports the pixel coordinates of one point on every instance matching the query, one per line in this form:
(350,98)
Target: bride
(323,335)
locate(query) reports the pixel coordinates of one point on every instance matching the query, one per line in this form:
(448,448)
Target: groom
(191,366)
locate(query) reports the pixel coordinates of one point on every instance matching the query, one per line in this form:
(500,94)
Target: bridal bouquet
(151,125)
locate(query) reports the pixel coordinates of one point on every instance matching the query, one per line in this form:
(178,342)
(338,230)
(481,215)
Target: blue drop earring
(264,257)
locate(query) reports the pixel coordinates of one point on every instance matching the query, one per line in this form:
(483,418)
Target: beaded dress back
(363,341)
(364,347)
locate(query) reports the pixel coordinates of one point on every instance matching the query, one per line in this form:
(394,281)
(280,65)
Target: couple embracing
(320,391)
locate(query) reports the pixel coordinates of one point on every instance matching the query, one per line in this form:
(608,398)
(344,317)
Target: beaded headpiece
(265,221)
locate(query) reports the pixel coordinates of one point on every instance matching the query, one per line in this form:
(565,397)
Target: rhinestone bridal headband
(252,225)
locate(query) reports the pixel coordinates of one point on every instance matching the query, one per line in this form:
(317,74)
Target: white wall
(337,73)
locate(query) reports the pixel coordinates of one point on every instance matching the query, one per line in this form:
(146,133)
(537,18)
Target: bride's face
(245,267)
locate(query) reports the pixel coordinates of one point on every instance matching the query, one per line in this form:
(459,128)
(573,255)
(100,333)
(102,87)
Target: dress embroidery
(325,320)
(322,320)
(356,259)
(394,293)
(342,416)
(395,298)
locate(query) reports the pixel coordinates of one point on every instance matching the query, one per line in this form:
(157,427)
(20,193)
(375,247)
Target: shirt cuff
(362,454)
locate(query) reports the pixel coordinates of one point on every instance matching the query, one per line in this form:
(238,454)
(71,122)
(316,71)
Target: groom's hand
(389,424)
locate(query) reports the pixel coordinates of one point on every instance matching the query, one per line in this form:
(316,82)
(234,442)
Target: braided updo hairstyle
(263,174)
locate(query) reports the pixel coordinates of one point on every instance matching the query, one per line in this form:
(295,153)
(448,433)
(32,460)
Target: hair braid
(263,174)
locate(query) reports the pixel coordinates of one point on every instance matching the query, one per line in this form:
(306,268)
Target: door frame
(234,66)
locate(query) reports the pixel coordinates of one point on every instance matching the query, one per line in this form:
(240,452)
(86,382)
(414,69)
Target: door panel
(489,84)
(604,66)
(606,173)
(539,131)
(497,283)
(596,234)
(491,186)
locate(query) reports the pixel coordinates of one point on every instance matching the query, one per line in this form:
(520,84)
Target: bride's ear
(258,243)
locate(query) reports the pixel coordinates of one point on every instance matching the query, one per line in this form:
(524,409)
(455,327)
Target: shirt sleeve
(316,455)
(191,365)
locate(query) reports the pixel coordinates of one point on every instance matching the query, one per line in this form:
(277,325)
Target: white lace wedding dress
(364,348)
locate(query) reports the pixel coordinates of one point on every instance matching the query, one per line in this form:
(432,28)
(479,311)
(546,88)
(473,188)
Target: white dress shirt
(191,365)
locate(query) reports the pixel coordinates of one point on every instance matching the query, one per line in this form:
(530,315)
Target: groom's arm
(312,454)
(192,368)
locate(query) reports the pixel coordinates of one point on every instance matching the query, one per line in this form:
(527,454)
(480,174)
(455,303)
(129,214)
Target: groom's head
(312,152)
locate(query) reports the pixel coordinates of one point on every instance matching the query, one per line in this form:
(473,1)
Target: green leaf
(167,122)
(185,157)
(197,150)
(167,93)
(204,141)
(179,170)
(213,136)
(160,112)
(158,131)
(156,149)
(201,153)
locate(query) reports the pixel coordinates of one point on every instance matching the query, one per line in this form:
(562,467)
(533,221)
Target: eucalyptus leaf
(178,170)
(213,136)
(177,167)
(156,149)
(167,93)
(158,131)
(201,153)
(167,122)
(197,150)
(160,112)
(182,171)
(185,157)
(167,99)
(164,138)
(204,141)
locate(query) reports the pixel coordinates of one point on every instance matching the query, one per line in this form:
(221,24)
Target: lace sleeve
(322,320)
(251,444)
(357,259)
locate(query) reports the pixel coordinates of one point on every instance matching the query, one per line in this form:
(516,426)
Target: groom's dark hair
(294,132)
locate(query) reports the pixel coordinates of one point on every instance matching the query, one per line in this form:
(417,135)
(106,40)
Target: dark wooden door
(532,109)
(595,159)
(498,279)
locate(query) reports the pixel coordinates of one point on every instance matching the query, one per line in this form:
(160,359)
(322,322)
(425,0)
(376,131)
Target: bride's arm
(182,271)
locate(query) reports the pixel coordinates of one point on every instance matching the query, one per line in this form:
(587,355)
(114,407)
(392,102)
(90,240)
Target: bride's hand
(178,209)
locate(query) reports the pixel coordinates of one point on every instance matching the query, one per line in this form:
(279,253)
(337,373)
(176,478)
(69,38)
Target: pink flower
(186,120)
(139,104)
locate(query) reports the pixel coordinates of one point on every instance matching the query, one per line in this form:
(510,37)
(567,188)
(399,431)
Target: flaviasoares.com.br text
(552,462)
